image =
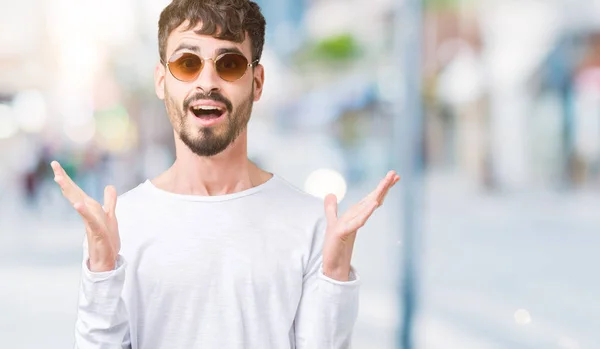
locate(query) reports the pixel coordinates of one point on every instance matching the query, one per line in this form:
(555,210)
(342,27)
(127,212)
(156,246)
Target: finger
(110,200)
(357,209)
(360,209)
(94,207)
(55,166)
(70,190)
(331,208)
(361,218)
(92,222)
(96,211)
(393,182)
(58,169)
(375,194)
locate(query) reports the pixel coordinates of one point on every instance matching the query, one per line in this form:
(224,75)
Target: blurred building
(511,96)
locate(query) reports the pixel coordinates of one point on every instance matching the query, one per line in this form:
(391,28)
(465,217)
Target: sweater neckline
(210,198)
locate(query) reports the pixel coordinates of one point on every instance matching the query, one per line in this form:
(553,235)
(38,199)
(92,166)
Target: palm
(347,225)
(100,222)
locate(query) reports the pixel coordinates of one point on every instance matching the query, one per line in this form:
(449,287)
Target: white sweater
(241,270)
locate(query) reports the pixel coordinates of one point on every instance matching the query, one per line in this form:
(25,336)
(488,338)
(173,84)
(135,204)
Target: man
(215,252)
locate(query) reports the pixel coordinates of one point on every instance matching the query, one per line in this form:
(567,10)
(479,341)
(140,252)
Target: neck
(227,172)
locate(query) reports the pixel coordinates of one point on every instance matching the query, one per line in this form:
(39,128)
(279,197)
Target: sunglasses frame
(214,59)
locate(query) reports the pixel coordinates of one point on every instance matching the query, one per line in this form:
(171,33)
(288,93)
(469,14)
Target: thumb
(331,208)
(110,200)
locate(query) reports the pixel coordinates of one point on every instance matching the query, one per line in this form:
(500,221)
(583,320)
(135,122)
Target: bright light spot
(79,61)
(76,50)
(121,28)
(325,181)
(8,125)
(568,343)
(81,133)
(522,317)
(116,130)
(127,141)
(30,111)
(114,126)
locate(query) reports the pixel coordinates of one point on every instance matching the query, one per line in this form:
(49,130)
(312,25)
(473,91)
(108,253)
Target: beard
(208,141)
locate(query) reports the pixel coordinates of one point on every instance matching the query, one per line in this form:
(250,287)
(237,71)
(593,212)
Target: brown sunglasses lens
(231,66)
(186,67)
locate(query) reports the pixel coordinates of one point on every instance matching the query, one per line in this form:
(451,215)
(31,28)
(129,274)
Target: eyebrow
(196,49)
(229,50)
(189,47)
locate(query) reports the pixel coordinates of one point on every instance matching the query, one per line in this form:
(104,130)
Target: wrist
(101,266)
(336,261)
(339,273)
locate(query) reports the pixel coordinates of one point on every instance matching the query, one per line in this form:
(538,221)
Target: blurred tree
(445,4)
(334,49)
(340,47)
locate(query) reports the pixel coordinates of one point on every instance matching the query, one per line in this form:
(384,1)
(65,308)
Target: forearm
(100,259)
(102,320)
(338,267)
(327,313)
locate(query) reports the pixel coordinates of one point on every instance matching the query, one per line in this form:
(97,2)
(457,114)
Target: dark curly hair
(223,19)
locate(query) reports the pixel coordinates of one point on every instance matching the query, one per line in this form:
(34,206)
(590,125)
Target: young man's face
(207,113)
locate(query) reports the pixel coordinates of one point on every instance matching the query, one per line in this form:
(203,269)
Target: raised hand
(341,232)
(100,222)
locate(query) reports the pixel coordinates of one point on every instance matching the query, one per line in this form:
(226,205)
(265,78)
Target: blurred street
(496,103)
(482,261)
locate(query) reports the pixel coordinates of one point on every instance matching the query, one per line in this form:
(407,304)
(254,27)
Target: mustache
(213,96)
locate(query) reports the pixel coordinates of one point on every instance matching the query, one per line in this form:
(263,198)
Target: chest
(213,257)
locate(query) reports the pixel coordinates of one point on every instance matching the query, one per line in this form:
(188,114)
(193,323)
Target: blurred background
(491,239)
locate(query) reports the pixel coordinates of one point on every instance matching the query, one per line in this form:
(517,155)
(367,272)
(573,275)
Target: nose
(208,80)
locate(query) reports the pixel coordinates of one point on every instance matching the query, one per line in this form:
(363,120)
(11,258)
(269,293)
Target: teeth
(204,107)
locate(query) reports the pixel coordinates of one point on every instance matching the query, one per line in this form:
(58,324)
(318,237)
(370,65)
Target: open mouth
(207,112)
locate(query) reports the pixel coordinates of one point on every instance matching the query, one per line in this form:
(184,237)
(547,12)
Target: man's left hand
(341,232)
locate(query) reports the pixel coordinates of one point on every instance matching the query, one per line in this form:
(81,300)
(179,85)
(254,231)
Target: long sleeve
(328,308)
(102,320)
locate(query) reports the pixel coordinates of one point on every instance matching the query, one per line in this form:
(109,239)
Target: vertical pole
(408,153)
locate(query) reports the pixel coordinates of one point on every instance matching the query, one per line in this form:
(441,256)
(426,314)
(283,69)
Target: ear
(259,80)
(159,80)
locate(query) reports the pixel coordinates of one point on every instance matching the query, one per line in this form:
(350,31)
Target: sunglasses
(230,66)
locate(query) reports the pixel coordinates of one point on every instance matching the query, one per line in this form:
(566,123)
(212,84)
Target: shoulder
(132,200)
(290,197)
(302,213)
(296,210)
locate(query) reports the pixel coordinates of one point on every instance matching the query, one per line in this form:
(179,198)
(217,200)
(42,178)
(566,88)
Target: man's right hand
(100,222)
